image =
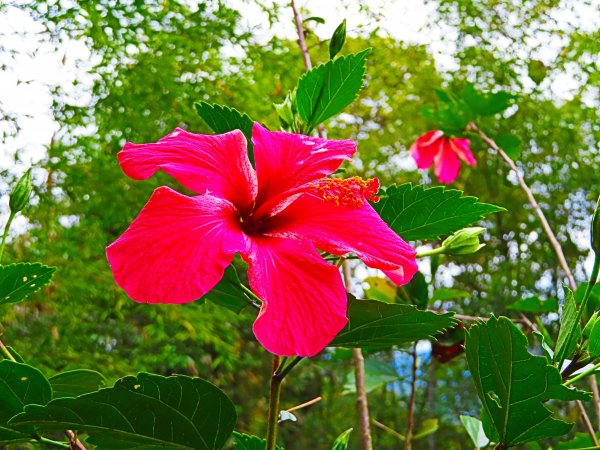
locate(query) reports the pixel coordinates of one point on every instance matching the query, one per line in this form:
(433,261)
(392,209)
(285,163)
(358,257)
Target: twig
(301,40)
(388,429)
(6,352)
(305,404)
(74,443)
(532,201)
(594,387)
(587,423)
(410,421)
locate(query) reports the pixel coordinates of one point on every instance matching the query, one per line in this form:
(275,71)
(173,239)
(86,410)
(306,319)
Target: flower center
(350,192)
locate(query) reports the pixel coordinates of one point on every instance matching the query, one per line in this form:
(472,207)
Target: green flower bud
(596,230)
(337,40)
(463,242)
(19,197)
(285,111)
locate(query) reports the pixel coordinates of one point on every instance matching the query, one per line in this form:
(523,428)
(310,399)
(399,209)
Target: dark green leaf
(451,114)
(76,382)
(486,104)
(21,385)
(419,213)
(372,323)
(417,291)
(535,305)
(475,429)
(570,330)
(594,344)
(511,145)
(341,442)
(19,280)
(229,293)
(147,411)
(15,354)
(328,88)
(337,40)
(246,442)
(12,437)
(222,119)
(514,384)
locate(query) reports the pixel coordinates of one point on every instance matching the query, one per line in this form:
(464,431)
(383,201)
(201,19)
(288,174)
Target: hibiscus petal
(343,229)
(213,164)
(287,161)
(462,148)
(446,163)
(177,248)
(425,148)
(304,298)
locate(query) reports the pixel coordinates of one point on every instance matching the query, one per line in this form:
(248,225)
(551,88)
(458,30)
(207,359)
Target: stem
(5,234)
(7,352)
(532,201)
(287,369)
(587,423)
(388,429)
(74,443)
(274,395)
(410,422)
(582,374)
(51,442)
(301,40)
(431,252)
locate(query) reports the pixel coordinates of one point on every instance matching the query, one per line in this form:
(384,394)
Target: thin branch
(301,40)
(587,423)
(74,443)
(305,404)
(388,429)
(532,201)
(410,422)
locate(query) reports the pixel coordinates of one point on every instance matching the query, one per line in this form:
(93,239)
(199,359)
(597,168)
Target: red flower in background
(276,216)
(443,152)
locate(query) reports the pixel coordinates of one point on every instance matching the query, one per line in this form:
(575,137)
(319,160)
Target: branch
(410,421)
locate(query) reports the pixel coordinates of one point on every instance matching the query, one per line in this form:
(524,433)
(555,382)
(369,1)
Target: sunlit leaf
(475,429)
(377,374)
(341,442)
(570,330)
(328,88)
(419,213)
(535,305)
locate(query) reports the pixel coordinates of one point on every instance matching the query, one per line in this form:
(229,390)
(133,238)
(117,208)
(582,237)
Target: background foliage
(151,60)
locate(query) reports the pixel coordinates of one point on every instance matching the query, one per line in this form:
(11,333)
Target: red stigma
(350,192)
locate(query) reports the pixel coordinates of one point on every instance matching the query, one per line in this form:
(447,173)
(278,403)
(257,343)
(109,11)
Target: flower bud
(19,197)
(285,111)
(463,242)
(596,230)
(337,40)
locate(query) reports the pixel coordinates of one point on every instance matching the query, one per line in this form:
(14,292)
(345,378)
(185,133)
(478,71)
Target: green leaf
(377,374)
(511,145)
(486,104)
(19,280)
(428,426)
(417,291)
(514,384)
(372,323)
(76,382)
(8,437)
(475,429)
(451,114)
(228,293)
(337,39)
(341,442)
(419,213)
(594,343)
(443,294)
(222,119)
(147,411)
(580,441)
(328,88)
(21,385)
(535,305)
(245,442)
(570,330)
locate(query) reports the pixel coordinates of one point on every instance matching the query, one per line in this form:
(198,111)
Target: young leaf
(377,374)
(337,40)
(147,411)
(514,384)
(328,88)
(475,429)
(245,442)
(377,324)
(341,442)
(570,330)
(19,280)
(534,305)
(228,292)
(486,104)
(222,119)
(76,382)
(419,213)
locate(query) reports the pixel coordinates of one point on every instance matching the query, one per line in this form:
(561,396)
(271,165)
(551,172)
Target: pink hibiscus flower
(443,152)
(276,216)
